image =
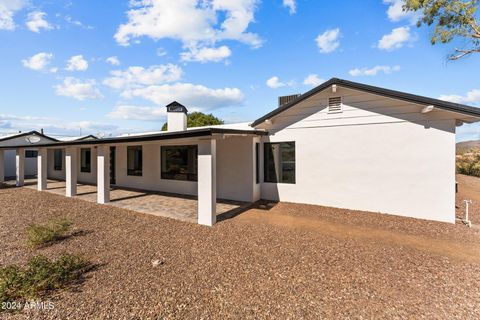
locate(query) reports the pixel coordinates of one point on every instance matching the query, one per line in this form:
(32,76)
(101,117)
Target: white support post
(20,167)
(42,169)
(207,186)
(103,174)
(2,166)
(71,172)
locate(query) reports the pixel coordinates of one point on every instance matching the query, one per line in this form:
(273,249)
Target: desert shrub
(469,163)
(39,276)
(43,234)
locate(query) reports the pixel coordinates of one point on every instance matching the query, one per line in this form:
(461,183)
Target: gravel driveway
(289,261)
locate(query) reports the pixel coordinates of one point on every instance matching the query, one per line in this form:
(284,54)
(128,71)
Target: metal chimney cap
(176,107)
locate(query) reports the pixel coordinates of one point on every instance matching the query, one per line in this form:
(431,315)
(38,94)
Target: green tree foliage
(199,119)
(452,19)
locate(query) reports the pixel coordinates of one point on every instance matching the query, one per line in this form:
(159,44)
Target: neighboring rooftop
(78,138)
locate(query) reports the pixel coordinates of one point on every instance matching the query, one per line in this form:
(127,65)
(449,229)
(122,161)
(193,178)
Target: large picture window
(85,160)
(279,162)
(179,162)
(134,161)
(57,160)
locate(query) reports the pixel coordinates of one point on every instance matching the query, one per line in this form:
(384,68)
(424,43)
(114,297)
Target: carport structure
(210,151)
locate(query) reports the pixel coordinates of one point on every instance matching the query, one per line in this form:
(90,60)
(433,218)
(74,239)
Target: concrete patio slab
(180,207)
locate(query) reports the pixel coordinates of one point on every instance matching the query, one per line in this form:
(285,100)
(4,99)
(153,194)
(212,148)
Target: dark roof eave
(27,134)
(144,138)
(445,105)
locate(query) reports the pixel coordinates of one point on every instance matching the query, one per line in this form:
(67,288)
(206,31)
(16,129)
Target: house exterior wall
(51,172)
(82,177)
(379,155)
(236,169)
(235,173)
(10,165)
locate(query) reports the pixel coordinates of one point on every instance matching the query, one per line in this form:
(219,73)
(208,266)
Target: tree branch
(462,53)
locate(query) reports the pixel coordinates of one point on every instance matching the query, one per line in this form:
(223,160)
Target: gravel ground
(468,189)
(290,261)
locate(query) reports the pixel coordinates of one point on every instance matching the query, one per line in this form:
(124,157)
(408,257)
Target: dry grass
(468,163)
(38,277)
(43,234)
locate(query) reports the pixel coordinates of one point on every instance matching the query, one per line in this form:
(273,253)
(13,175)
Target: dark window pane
(134,161)
(279,162)
(57,160)
(179,162)
(85,160)
(257,162)
(31,153)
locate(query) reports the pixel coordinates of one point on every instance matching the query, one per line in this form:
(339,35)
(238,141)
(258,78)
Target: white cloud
(291,5)
(77,63)
(55,126)
(395,40)
(472,96)
(161,52)
(36,21)
(373,71)
(275,83)
(313,80)
(38,62)
(113,61)
(138,113)
(75,88)
(204,55)
(196,23)
(8,8)
(194,96)
(395,12)
(139,76)
(77,23)
(328,41)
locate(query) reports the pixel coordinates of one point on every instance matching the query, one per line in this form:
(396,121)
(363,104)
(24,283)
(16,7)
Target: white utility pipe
(466,221)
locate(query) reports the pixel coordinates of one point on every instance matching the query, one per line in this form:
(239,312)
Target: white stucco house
(342,144)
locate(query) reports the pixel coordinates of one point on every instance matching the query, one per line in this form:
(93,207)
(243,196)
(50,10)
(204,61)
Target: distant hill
(467,145)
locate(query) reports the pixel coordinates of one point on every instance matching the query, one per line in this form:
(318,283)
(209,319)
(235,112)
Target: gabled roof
(23,134)
(440,104)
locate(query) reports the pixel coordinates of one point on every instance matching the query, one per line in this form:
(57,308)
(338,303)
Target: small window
(57,160)
(180,162)
(31,153)
(257,162)
(334,104)
(134,161)
(279,162)
(85,160)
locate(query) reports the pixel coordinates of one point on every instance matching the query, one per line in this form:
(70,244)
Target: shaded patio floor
(180,207)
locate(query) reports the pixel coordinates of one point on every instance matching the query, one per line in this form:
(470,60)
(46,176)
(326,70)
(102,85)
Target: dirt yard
(280,262)
(468,189)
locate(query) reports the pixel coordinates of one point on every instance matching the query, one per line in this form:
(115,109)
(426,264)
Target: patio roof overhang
(193,133)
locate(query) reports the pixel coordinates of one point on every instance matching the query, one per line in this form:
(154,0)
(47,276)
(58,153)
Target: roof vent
(287,99)
(335,104)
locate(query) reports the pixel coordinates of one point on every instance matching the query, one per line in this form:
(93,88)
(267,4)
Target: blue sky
(111,66)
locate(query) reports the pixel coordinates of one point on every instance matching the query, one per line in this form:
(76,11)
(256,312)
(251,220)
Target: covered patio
(175,206)
(149,191)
